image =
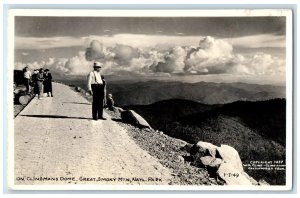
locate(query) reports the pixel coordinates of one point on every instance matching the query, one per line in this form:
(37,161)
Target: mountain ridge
(148,92)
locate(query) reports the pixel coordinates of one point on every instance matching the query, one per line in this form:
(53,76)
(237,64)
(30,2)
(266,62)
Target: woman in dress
(48,83)
(34,82)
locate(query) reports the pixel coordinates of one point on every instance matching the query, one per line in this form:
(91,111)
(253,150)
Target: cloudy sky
(245,49)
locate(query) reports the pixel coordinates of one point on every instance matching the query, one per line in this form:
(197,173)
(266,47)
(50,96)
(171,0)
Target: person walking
(27,79)
(48,83)
(96,89)
(40,79)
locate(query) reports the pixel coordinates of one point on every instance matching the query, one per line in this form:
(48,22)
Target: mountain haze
(147,92)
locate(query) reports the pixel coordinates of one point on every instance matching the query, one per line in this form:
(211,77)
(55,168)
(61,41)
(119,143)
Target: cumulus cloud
(211,56)
(263,64)
(95,51)
(76,65)
(123,54)
(174,61)
(122,58)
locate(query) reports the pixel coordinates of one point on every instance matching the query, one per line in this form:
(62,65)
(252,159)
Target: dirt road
(57,142)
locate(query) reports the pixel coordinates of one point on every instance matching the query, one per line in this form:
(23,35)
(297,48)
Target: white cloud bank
(210,56)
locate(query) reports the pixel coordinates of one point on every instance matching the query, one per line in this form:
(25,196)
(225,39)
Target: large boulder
(221,162)
(233,176)
(230,155)
(209,148)
(131,117)
(118,110)
(202,149)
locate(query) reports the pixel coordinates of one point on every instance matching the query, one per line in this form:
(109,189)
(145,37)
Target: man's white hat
(97,64)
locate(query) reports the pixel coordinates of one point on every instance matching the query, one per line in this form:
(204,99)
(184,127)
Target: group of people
(40,81)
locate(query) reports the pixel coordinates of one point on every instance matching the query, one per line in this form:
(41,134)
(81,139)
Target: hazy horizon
(183,79)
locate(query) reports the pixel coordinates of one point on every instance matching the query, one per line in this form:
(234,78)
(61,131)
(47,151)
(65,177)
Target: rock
(251,179)
(118,109)
(202,149)
(77,89)
(262,182)
(213,166)
(23,100)
(230,155)
(147,129)
(197,152)
(216,163)
(181,142)
(205,148)
(232,176)
(161,133)
(17,91)
(133,118)
(207,160)
(221,162)
(187,147)
(180,158)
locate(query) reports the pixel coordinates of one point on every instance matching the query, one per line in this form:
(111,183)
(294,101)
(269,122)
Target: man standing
(27,78)
(96,89)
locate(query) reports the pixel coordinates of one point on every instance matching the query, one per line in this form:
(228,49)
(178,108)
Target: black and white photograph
(150,99)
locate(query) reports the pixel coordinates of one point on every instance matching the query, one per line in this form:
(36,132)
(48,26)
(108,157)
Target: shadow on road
(78,103)
(56,116)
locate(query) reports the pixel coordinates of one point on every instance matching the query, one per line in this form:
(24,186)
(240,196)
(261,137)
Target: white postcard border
(153,13)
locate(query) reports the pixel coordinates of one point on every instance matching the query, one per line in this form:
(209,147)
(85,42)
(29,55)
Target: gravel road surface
(57,142)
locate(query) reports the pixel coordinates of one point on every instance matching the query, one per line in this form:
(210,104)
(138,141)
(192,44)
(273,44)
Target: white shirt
(27,74)
(94,77)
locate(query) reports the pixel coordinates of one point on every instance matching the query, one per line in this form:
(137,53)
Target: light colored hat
(97,64)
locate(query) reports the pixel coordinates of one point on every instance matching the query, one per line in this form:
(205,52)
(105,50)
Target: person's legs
(51,91)
(100,107)
(94,109)
(97,105)
(36,89)
(94,103)
(40,87)
(100,102)
(27,85)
